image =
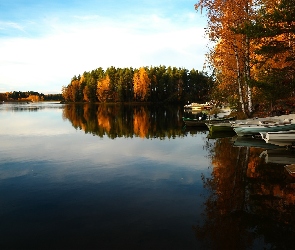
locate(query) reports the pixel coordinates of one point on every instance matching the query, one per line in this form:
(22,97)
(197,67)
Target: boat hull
(204,122)
(281,136)
(219,127)
(257,129)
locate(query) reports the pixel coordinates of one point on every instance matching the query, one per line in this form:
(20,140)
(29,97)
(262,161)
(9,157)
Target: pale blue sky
(44,43)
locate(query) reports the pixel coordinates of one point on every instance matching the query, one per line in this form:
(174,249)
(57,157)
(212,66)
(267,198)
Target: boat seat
(269,122)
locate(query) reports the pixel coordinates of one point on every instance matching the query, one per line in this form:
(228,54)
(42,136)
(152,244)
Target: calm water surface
(93,177)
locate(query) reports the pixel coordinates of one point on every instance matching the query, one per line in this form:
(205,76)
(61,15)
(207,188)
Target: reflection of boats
(195,129)
(287,144)
(290,169)
(220,134)
(279,156)
(245,141)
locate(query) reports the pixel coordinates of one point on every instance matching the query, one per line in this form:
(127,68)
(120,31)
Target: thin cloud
(53,48)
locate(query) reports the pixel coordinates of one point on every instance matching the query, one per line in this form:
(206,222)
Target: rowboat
(219,126)
(203,120)
(279,136)
(263,126)
(196,122)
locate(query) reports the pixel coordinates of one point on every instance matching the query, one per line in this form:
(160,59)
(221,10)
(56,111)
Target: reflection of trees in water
(251,205)
(141,122)
(126,120)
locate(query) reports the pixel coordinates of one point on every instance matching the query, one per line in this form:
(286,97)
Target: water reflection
(62,188)
(29,106)
(126,120)
(117,189)
(252,200)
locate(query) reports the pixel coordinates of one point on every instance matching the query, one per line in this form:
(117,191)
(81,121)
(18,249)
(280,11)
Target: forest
(146,84)
(252,52)
(251,63)
(29,96)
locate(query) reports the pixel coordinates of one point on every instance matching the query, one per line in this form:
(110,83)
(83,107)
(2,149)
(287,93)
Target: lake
(134,177)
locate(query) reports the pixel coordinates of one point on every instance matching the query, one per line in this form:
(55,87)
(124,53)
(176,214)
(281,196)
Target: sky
(44,43)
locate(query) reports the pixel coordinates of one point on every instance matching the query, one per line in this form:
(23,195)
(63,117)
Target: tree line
(29,96)
(146,84)
(253,53)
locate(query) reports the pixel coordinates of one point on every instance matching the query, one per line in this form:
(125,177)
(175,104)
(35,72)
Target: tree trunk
(247,67)
(239,79)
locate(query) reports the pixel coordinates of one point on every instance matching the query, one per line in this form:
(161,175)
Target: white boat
(198,106)
(269,119)
(263,126)
(255,121)
(280,138)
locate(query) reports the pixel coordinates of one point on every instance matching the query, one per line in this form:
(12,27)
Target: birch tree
(232,53)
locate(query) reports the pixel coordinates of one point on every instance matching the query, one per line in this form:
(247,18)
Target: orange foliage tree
(103,89)
(232,54)
(274,33)
(141,85)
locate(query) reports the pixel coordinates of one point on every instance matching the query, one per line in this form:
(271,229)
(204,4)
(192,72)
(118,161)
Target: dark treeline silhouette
(30,96)
(146,84)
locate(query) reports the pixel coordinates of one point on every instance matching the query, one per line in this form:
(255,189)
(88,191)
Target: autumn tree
(103,89)
(141,85)
(274,33)
(232,54)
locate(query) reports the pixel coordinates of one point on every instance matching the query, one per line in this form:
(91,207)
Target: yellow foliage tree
(103,89)
(231,56)
(141,85)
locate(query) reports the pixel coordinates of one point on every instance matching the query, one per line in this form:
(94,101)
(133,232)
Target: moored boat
(263,126)
(280,136)
(198,106)
(194,122)
(219,126)
(203,120)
